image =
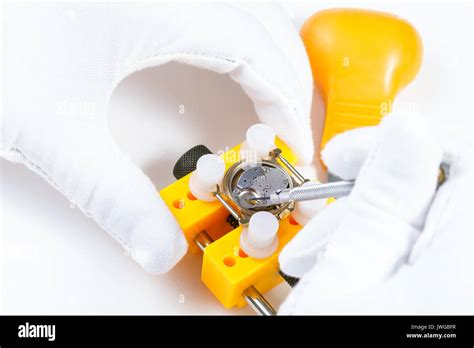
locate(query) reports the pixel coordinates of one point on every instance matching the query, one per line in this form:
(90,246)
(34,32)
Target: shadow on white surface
(158,114)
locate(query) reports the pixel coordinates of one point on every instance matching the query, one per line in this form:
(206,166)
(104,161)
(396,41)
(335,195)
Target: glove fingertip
(159,256)
(157,243)
(345,154)
(304,250)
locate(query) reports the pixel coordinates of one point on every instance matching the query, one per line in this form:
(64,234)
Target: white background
(56,261)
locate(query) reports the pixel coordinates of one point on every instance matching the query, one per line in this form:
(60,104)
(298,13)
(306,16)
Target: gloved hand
(61,63)
(395,245)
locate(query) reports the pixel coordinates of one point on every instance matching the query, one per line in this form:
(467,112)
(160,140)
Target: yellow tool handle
(360,60)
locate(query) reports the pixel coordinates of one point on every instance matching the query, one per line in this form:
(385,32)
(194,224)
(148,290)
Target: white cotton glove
(61,63)
(395,245)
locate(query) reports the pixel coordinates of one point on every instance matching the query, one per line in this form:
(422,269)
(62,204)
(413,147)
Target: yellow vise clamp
(232,276)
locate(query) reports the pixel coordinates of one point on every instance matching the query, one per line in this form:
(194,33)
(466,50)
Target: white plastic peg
(259,142)
(259,240)
(210,170)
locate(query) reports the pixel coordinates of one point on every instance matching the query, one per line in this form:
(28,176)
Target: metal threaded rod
(229,208)
(277,154)
(257,302)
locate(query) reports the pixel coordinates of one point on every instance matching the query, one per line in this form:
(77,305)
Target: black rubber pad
(187,162)
(232,221)
(292,281)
